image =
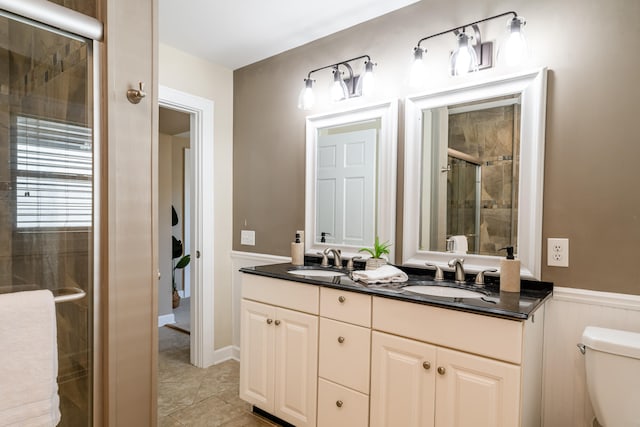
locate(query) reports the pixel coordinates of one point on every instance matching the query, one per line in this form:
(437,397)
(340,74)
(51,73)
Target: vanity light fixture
(472,54)
(514,50)
(354,85)
(464,59)
(339,89)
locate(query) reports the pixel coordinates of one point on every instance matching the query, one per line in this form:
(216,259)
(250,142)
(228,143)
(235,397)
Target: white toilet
(612,362)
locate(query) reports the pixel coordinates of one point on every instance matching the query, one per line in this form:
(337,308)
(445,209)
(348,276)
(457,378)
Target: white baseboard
(229,352)
(166,319)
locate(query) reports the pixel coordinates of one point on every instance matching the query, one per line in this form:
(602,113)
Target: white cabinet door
(296,367)
(475,391)
(402,382)
(257,354)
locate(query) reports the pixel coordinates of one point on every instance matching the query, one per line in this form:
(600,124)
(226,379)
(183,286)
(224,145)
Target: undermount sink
(443,291)
(315,272)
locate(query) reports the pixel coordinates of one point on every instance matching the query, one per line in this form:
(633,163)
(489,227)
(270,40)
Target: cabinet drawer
(282,293)
(344,354)
(341,407)
(474,333)
(346,306)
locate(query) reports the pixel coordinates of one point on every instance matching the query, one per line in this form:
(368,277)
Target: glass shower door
(47,187)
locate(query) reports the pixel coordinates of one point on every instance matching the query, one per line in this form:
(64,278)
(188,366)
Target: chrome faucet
(456,264)
(337,258)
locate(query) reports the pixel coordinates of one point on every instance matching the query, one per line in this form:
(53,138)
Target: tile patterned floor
(194,397)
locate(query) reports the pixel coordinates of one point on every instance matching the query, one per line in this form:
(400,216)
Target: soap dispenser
(509,272)
(297,251)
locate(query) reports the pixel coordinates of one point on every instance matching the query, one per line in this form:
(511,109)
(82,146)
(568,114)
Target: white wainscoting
(238,261)
(565,397)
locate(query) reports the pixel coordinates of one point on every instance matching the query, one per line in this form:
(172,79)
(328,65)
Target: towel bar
(60,295)
(70,294)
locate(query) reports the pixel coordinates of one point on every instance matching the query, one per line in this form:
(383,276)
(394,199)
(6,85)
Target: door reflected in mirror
(351,178)
(469,197)
(346,184)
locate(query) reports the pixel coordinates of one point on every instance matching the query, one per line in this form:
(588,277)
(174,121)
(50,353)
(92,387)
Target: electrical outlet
(557,252)
(248,237)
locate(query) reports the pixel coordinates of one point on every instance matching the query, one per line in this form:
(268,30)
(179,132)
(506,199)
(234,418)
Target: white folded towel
(385,274)
(28,360)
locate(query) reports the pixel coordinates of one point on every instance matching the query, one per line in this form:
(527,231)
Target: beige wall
(591,150)
(186,73)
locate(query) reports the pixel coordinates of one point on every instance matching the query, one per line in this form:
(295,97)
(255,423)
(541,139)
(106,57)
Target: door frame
(201,113)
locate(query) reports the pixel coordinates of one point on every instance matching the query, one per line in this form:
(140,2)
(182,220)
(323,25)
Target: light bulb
(418,77)
(367,80)
(514,50)
(339,89)
(464,59)
(307,97)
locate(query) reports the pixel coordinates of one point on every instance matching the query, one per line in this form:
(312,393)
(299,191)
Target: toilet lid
(623,343)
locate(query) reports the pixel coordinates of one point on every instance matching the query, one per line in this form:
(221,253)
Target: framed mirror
(474,173)
(350,193)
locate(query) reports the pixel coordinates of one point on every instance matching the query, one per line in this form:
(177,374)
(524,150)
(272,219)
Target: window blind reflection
(53,174)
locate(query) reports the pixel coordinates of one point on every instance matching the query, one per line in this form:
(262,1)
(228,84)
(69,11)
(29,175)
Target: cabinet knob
(340,340)
(277,322)
(441,370)
(269,321)
(339,403)
(341,298)
(426,365)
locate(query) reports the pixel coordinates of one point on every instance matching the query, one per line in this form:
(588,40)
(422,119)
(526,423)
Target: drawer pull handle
(441,370)
(277,322)
(339,403)
(269,321)
(341,298)
(426,365)
(340,340)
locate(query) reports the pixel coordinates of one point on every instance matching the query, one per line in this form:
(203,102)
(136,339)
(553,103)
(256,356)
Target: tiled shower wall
(492,136)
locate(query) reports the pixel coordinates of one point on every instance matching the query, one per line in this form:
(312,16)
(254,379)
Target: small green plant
(378,250)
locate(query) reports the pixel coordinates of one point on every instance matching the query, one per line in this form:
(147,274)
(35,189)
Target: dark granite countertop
(514,306)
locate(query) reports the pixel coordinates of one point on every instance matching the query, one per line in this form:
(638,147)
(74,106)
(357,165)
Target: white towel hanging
(28,360)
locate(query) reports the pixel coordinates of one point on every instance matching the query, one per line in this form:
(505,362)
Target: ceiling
(172,122)
(240,32)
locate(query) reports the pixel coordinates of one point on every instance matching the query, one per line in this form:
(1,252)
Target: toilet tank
(612,362)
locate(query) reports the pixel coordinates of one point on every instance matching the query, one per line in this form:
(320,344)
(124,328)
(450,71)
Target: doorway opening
(174,219)
(194,161)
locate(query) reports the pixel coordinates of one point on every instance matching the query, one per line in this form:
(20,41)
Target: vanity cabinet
(344,358)
(446,368)
(319,356)
(279,353)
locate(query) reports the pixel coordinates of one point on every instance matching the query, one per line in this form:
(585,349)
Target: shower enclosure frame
(53,17)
